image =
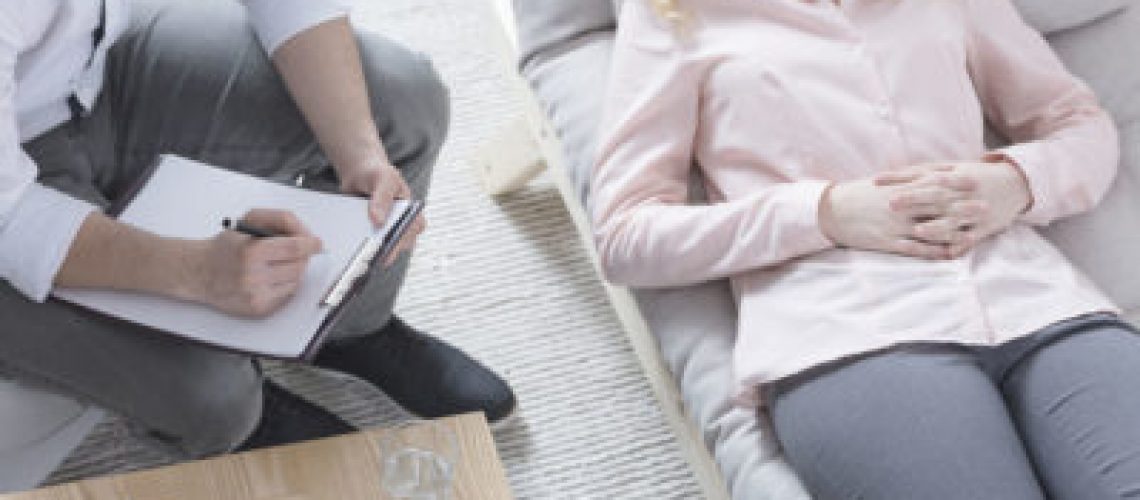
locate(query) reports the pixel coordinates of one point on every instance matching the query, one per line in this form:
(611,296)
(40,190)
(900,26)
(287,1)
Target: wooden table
(338,468)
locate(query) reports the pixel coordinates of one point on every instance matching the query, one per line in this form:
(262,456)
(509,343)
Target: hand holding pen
(248,229)
(254,266)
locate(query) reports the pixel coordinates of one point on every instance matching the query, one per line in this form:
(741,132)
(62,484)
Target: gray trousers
(190,78)
(1055,415)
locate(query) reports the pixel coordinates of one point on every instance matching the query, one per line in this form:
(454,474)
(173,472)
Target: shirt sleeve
(647,233)
(36,236)
(37,224)
(1063,141)
(276,21)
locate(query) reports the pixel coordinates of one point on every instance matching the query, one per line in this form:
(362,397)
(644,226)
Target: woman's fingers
(926,201)
(937,231)
(971,212)
(914,174)
(960,249)
(897,177)
(957,182)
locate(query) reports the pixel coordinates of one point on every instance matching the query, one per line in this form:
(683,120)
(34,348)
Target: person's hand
(858,214)
(996,193)
(247,276)
(383,185)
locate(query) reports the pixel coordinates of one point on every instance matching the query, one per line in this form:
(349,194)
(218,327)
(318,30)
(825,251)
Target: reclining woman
(900,319)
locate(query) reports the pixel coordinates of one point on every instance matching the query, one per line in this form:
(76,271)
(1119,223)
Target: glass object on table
(418,460)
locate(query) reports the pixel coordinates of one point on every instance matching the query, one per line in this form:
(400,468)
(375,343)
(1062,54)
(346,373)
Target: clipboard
(177,186)
(354,277)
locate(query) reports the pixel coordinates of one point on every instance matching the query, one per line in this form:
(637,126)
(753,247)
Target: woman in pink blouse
(910,332)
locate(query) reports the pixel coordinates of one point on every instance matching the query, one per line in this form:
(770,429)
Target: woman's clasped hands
(935,211)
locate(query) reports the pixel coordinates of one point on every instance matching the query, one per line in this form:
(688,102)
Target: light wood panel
(339,468)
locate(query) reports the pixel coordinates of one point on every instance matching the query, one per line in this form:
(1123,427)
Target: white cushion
(574,114)
(695,329)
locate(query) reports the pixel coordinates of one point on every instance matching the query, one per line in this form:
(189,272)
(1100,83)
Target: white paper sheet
(187,199)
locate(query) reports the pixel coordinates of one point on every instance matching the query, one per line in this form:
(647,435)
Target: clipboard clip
(372,246)
(356,268)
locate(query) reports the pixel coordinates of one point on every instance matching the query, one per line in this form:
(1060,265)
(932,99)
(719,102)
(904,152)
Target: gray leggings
(1055,415)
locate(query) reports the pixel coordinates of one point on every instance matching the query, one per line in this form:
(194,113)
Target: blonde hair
(668,9)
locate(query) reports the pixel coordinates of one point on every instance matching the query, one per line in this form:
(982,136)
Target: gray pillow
(1051,16)
(550,27)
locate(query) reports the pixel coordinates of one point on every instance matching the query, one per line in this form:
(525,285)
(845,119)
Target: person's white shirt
(46,56)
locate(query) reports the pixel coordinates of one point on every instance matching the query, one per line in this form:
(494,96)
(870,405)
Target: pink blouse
(775,99)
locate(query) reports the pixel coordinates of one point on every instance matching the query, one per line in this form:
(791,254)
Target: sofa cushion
(37,431)
(546,24)
(574,112)
(695,328)
(557,26)
(1105,243)
(694,325)
(1050,16)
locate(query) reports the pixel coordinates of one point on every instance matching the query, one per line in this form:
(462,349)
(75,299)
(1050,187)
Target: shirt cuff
(35,240)
(799,204)
(1028,158)
(276,21)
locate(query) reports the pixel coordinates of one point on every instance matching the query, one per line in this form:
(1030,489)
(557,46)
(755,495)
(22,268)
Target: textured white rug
(508,281)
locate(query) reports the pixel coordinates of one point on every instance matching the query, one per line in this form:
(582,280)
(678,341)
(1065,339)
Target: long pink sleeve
(646,232)
(1063,140)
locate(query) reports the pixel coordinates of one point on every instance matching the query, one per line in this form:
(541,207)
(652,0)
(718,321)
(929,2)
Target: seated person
(907,329)
(90,95)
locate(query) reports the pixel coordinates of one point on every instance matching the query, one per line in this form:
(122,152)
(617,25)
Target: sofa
(565,48)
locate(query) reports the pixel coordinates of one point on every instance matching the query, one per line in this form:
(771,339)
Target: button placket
(884,111)
(972,296)
(881,104)
(880,98)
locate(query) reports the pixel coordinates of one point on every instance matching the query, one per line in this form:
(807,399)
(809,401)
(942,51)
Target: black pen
(247,229)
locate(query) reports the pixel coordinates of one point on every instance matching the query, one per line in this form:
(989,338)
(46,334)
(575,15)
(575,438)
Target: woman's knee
(885,427)
(1077,409)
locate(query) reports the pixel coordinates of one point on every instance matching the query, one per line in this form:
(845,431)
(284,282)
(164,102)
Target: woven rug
(506,280)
